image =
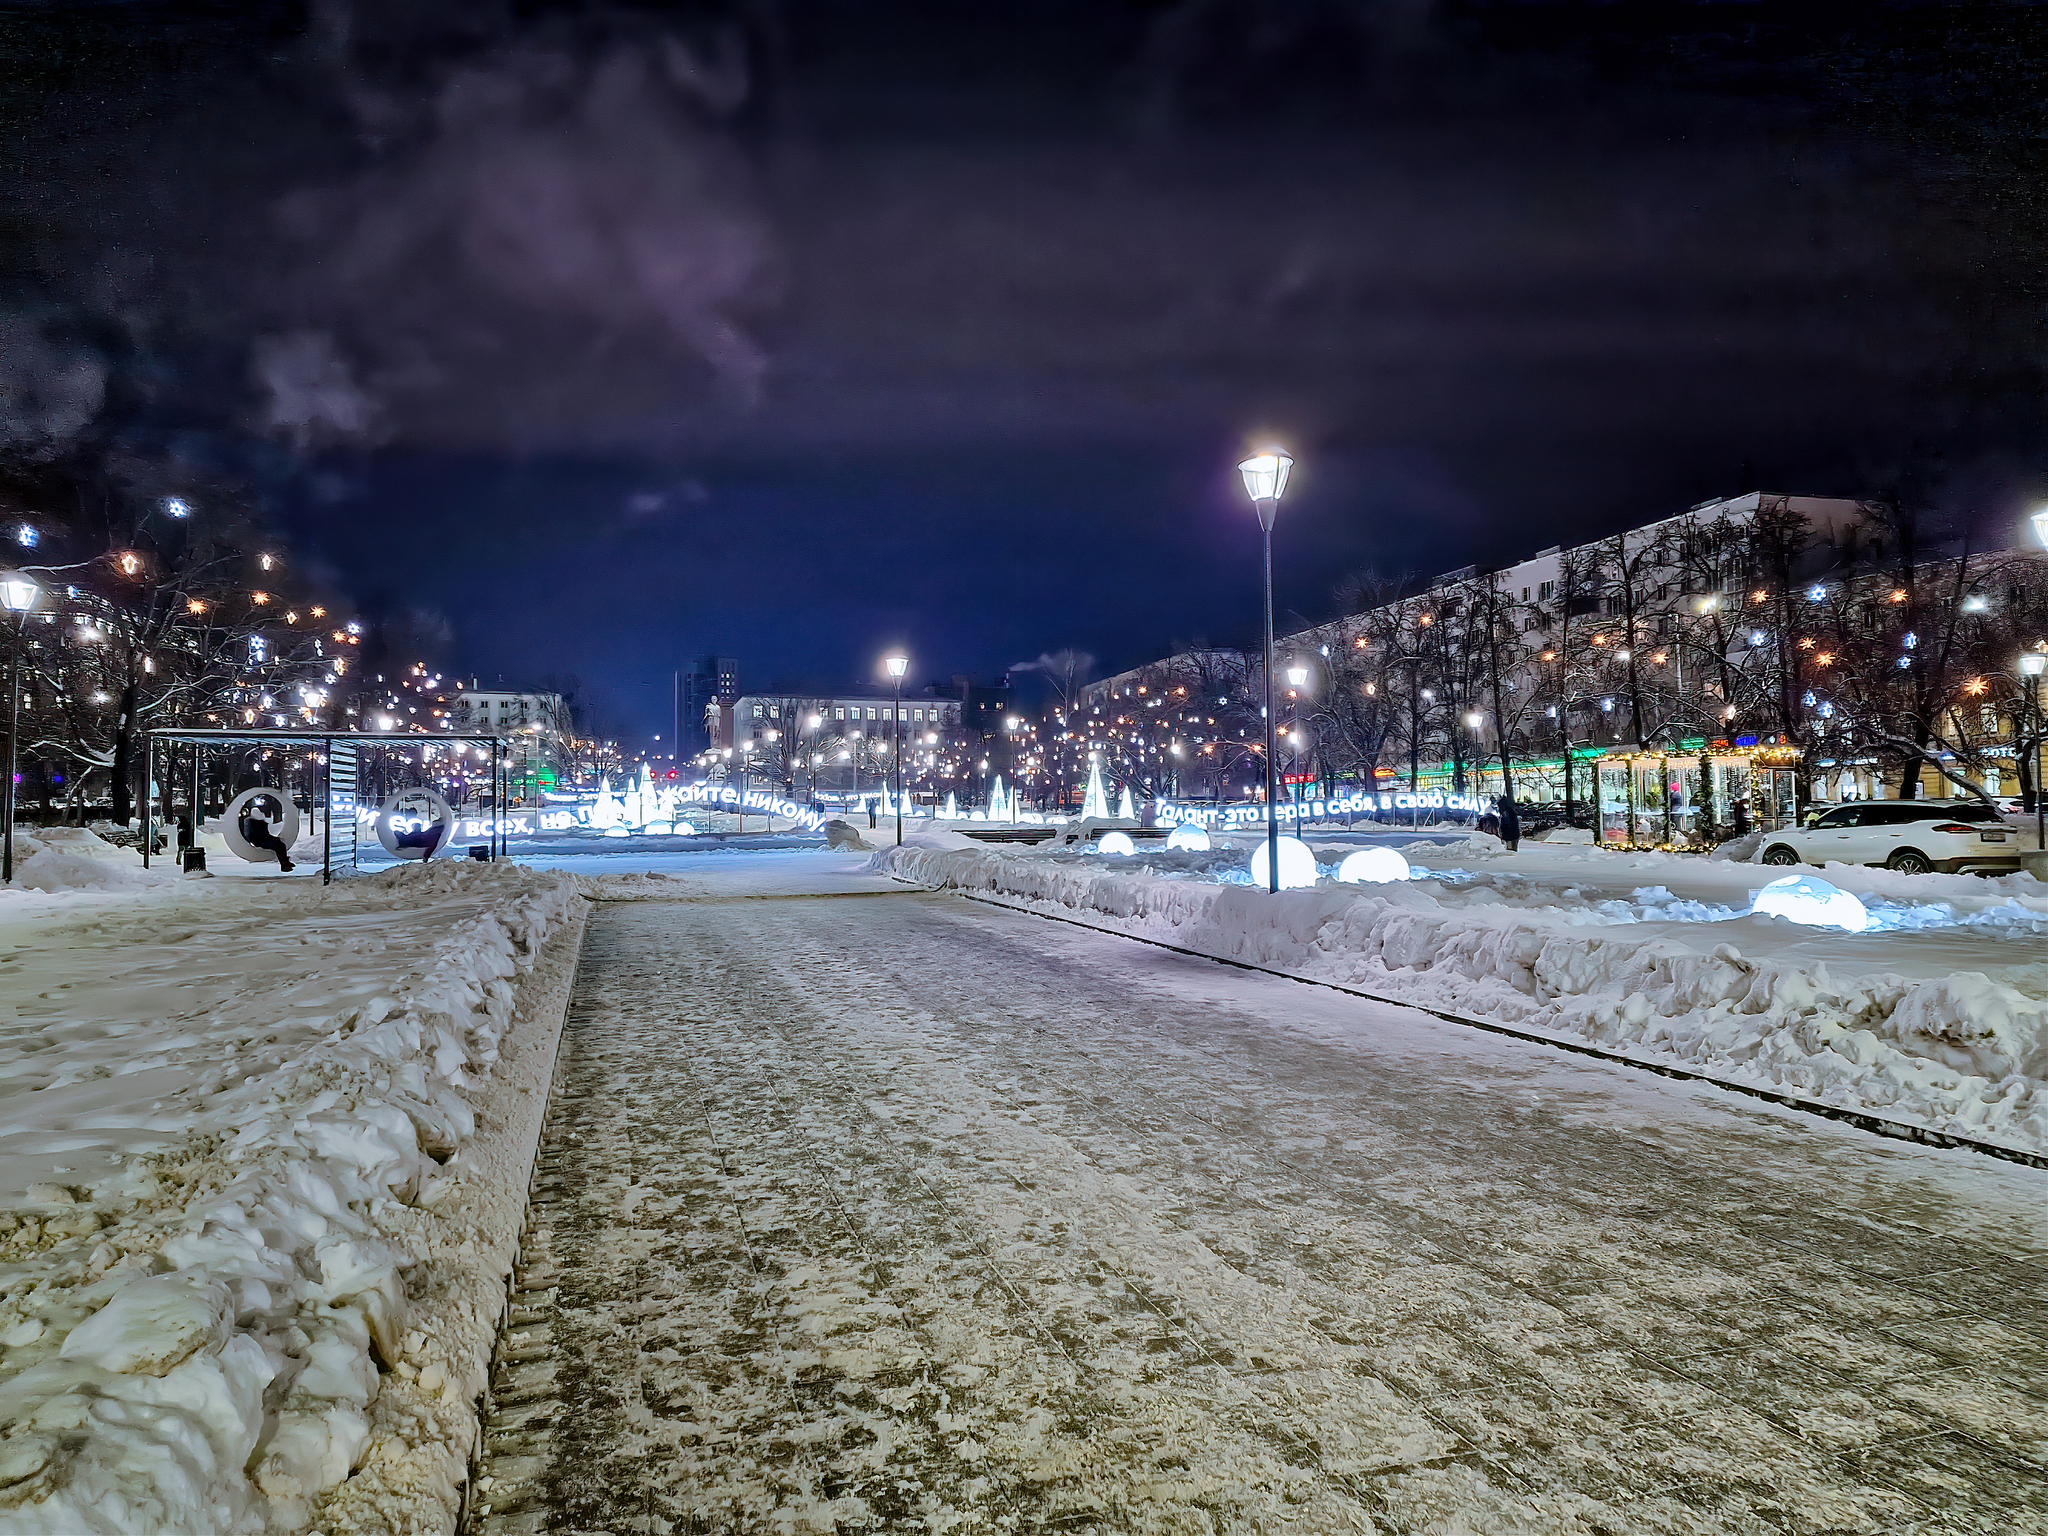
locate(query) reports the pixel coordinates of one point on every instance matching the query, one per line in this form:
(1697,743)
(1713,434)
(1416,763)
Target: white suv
(1911,835)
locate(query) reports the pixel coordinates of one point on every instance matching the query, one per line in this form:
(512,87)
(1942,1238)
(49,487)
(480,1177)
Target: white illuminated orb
(1190,836)
(1372,866)
(1297,864)
(1804,899)
(1116,842)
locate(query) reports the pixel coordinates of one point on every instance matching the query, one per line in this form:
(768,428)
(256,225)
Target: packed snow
(909,1214)
(1935,1016)
(251,1160)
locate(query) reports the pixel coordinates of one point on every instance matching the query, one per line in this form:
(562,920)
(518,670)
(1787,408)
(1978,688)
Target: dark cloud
(964,310)
(546,217)
(51,388)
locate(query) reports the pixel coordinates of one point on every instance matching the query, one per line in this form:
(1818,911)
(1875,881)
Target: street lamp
(18,594)
(897,665)
(2040,522)
(1265,481)
(2032,664)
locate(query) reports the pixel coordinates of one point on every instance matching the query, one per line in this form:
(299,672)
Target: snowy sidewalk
(260,1165)
(898,1213)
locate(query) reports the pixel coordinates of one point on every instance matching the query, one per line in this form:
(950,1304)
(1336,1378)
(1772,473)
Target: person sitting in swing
(426,835)
(256,832)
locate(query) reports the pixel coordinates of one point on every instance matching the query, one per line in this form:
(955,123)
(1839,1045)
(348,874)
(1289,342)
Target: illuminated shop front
(1672,796)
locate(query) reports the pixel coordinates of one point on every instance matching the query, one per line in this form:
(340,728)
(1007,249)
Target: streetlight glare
(2040,522)
(896,666)
(1297,677)
(1265,474)
(2033,663)
(18,593)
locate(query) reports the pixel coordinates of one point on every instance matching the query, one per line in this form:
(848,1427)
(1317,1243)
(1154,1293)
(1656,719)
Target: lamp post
(1265,481)
(897,665)
(18,594)
(2032,664)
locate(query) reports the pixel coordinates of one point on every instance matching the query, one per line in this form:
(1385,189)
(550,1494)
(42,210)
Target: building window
(839,713)
(1543,592)
(757,711)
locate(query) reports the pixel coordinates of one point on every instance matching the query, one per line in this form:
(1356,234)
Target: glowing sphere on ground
(1297,864)
(1372,866)
(1116,842)
(1804,899)
(1190,836)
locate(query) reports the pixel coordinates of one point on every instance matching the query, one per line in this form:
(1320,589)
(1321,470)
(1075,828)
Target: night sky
(577,340)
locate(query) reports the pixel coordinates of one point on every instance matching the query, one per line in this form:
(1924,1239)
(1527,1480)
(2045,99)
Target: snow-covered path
(884,1211)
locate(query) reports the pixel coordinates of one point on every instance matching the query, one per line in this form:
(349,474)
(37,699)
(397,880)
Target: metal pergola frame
(501,765)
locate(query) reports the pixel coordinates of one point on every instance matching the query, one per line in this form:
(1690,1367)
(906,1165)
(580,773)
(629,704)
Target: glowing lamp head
(1265,481)
(1297,677)
(18,593)
(2040,522)
(896,666)
(2033,663)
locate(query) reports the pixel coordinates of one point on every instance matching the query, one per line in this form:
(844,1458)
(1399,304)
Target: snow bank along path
(1960,1054)
(258,1287)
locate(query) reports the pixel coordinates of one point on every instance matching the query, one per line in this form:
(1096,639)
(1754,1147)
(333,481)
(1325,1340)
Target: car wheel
(1778,853)
(1909,861)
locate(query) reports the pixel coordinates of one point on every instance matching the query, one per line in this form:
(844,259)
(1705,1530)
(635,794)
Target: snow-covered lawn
(1936,1017)
(262,1157)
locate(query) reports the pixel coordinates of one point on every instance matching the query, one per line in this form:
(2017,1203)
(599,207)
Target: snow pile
(1961,1053)
(197,1339)
(57,859)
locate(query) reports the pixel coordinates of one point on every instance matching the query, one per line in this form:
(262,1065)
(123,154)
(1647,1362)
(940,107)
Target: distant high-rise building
(706,681)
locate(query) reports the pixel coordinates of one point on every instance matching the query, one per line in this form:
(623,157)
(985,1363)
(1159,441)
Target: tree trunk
(123,770)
